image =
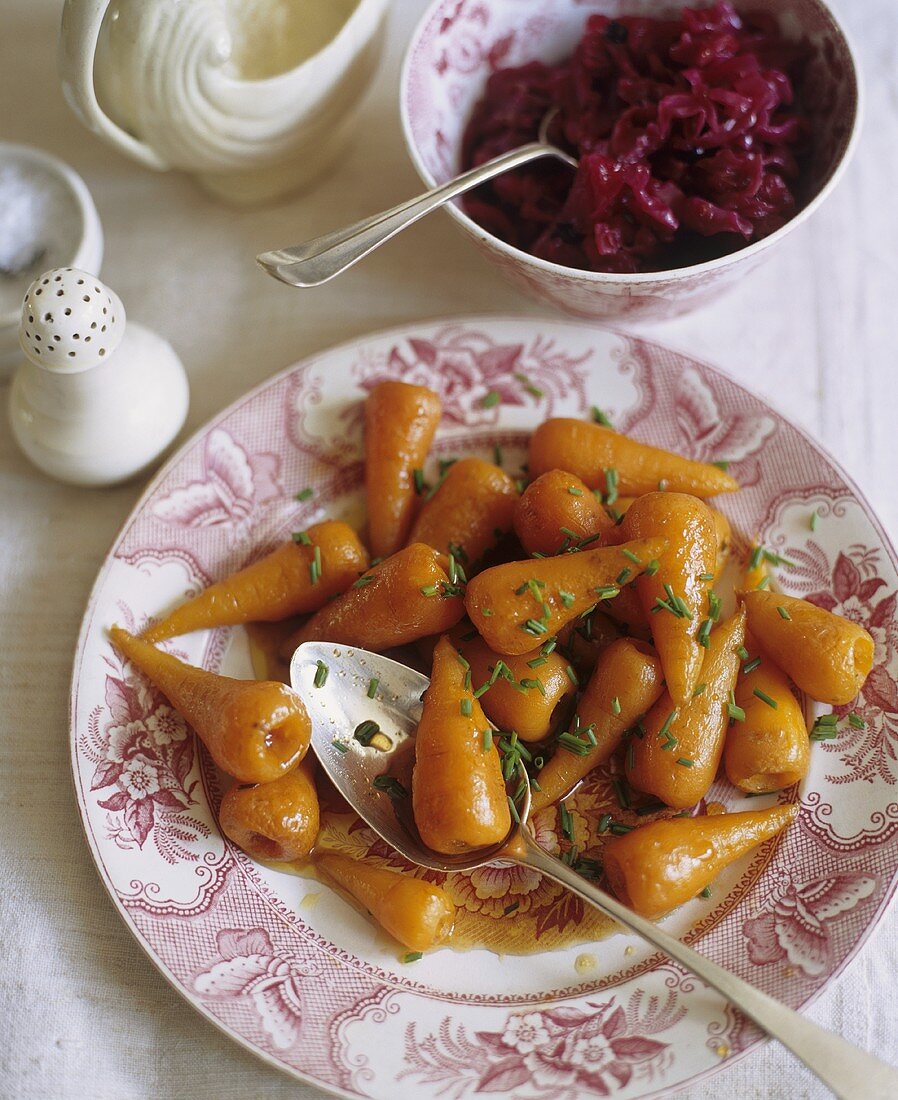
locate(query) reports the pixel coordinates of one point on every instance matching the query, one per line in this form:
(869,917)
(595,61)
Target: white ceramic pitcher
(254,97)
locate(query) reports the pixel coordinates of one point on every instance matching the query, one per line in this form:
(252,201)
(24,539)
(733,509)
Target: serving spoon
(321,259)
(334,682)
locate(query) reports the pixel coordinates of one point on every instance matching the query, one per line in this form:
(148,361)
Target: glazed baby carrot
(518,606)
(675,596)
(418,914)
(400,423)
(769,748)
(724,535)
(471,510)
(612,462)
(406,597)
(676,755)
(826,655)
(556,512)
(626,683)
(295,579)
(756,573)
(525,694)
(659,866)
(254,730)
(274,821)
(458,793)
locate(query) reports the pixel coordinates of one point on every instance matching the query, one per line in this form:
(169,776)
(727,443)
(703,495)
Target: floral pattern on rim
(234,483)
(554,1052)
(465,367)
(797,925)
(249,967)
(144,751)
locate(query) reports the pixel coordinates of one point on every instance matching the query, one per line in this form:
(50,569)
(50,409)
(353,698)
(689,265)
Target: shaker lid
(71,321)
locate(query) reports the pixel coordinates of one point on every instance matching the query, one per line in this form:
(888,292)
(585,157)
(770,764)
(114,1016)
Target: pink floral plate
(279,961)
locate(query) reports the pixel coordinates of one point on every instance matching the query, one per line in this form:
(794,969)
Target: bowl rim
(90,240)
(644,278)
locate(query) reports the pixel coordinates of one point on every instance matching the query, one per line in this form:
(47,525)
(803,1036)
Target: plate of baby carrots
(628,578)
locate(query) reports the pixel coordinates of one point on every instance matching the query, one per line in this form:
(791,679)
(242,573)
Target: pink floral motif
(464,366)
(144,753)
(710,435)
(852,588)
(555,1052)
(234,482)
(797,928)
(249,967)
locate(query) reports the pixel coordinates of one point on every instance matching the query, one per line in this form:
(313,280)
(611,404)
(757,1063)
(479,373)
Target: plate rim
(177,455)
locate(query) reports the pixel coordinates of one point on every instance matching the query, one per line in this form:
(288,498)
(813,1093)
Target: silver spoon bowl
(317,261)
(373,781)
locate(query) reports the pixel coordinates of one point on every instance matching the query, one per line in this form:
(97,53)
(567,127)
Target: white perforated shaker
(98,398)
(70,320)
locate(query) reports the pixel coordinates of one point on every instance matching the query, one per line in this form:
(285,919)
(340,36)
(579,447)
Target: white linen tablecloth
(83,1013)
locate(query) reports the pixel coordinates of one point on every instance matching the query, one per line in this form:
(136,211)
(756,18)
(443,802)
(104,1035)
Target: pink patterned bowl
(458,44)
(285,966)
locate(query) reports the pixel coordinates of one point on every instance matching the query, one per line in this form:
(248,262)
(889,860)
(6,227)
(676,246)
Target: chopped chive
(491,400)
(765,698)
(534,627)
(652,568)
(320,674)
(783,613)
(815,520)
(706,577)
(630,556)
(620,793)
(567,598)
(704,633)
(699,691)
(615,705)
(465,707)
(668,745)
(513,908)
(429,590)
(548,647)
(366,578)
(583,543)
(668,722)
(487,740)
(649,808)
(514,810)
(685,762)
(305,494)
(607,591)
(631,756)
(714,605)
(613,513)
(612,481)
(537,662)
(572,676)
(390,786)
(763,583)
(574,491)
(600,417)
(573,744)
(778,559)
(742,653)
(590,735)
(315,566)
(604,823)
(751,666)
(721,464)
(302,537)
(566,821)
(372,687)
(618,828)
(756,555)
(413,956)
(662,485)
(706,893)
(623,576)
(529,387)
(483,689)
(534,685)
(365,731)
(735,712)
(340,746)
(855,721)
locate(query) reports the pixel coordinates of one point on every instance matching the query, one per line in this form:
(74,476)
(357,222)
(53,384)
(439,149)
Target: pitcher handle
(78,38)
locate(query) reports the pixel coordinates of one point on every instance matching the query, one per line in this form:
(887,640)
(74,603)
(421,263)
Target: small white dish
(76,243)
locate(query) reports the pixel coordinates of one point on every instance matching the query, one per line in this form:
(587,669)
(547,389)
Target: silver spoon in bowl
(317,261)
(334,683)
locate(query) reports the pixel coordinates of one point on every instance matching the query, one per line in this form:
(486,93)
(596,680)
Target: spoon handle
(316,261)
(846,1070)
